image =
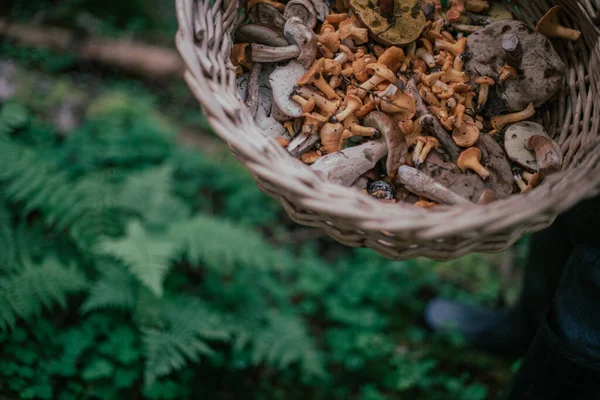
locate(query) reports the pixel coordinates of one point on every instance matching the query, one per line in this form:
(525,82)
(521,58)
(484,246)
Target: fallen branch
(147,60)
(422,185)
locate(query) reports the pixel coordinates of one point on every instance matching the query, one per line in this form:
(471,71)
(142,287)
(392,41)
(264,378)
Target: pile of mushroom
(405,100)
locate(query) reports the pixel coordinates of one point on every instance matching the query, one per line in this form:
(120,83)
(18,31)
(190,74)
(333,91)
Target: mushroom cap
(403,103)
(300,34)
(303,9)
(485,80)
(433,142)
(550,19)
(261,34)
(403,27)
(265,13)
(352,99)
(392,58)
(309,75)
(348,27)
(383,71)
(467,135)
(467,157)
(348,52)
(315,117)
(331,40)
(396,145)
(515,140)
(282,82)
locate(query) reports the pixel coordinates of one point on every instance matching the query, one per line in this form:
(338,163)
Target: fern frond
(188,324)
(280,341)
(147,255)
(222,245)
(149,193)
(116,288)
(35,287)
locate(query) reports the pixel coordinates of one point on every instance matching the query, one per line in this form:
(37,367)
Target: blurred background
(139,260)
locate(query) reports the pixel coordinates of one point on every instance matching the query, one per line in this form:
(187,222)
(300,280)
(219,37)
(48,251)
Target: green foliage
(131,267)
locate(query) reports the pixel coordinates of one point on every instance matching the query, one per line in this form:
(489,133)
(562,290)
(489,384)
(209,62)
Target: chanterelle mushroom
(397,148)
(515,140)
(314,75)
(550,26)
(402,27)
(470,159)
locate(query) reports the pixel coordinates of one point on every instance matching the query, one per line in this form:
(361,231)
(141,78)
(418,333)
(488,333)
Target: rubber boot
(564,360)
(509,332)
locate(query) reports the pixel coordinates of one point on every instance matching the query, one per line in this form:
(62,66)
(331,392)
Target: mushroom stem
(268,54)
(422,185)
(499,121)
(302,143)
(252,89)
(430,123)
(523,187)
(346,166)
(426,56)
(386,8)
(550,26)
(328,107)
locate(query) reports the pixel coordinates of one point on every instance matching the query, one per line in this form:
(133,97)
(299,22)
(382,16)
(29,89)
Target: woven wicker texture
(401,231)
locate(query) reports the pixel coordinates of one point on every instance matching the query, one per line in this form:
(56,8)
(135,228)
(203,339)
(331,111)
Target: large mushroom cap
(397,148)
(403,27)
(515,139)
(261,34)
(282,82)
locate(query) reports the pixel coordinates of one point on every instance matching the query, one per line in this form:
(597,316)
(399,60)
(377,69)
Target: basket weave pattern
(401,231)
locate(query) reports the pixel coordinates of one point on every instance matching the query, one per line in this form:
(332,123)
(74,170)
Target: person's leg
(564,360)
(509,332)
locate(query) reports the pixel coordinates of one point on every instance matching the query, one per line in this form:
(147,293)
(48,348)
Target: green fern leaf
(115,289)
(150,194)
(222,245)
(148,256)
(37,286)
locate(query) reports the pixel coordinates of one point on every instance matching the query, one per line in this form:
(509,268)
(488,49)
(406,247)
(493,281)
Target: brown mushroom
(423,203)
(351,104)
(455,11)
(401,28)
(345,55)
(499,121)
(397,148)
(426,56)
(477,6)
(401,104)
(432,143)
(302,9)
(522,185)
(484,83)
(331,137)
(470,159)
(310,157)
(261,34)
(550,26)
(548,160)
(352,124)
(455,49)
(442,90)
(327,107)
(312,123)
(392,58)
(336,19)
(240,57)
(381,73)
(465,135)
(264,13)
(307,105)
(314,76)
(507,72)
(279,6)
(350,28)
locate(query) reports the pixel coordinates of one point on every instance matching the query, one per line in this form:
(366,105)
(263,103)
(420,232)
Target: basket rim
(210,75)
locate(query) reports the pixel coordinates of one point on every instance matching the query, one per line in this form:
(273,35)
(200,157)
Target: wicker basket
(401,231)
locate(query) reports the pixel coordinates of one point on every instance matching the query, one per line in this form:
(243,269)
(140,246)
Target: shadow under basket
(402,231)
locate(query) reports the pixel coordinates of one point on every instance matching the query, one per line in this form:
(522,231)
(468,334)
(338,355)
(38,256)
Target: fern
(8,248)
(114,289)
(147,255)
(25,294)
(188,325)
(150,194)
(222,245)
(86,207)
(280,341)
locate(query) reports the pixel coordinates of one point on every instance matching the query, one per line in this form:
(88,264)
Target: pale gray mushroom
(515,140)
(282,82)
(260,34)
(541,70)
(346,166)
(322,7)
(269,54)
(303,9)
(302,143)
(299,34)
(264,13)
